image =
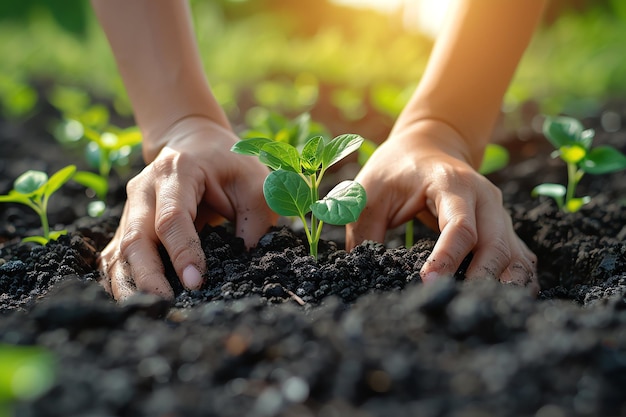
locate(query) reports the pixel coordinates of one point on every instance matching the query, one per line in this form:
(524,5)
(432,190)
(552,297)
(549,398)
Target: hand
(423,170)
(195,179)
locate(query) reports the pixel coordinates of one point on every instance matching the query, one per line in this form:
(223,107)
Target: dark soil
(273,333)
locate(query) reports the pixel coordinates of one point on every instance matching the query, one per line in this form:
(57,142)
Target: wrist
(437,135)
(186,126)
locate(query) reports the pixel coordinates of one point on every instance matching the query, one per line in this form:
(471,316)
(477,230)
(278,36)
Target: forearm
(157,56)
(471,66)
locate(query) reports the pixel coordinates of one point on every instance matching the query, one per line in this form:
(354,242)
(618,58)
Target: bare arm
(471,66)
(192,178)
(157,56)
(427,166)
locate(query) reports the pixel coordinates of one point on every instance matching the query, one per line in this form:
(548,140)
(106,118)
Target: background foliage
(348,66)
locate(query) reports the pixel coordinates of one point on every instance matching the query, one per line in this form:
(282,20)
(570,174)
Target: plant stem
(572,181)
(408,234)
(314,235)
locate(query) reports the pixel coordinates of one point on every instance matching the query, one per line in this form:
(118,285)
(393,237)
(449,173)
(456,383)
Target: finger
(458,236)
(370,225)
(176,209)
(523,270)
(493,251)
(136,263)
(253,221)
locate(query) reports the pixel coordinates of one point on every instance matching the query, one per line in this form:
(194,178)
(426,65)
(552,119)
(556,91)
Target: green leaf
(250,147)
(342,205)
(339,148)
(555,191)
(366,151)
(26,372)
(96,208)
(495,158)
(36,239)
(280,155)
(562,131)
(94,181)
(30,182)
(586,138)
(128,137)
(572,154)
(59,178)
(312,154)
(15,197)
(287,193)
(602,160)
(574,204)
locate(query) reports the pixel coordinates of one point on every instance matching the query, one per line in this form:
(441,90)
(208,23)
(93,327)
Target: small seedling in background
(573,146)
(34,188)
(26,373)
(106,146)
(292,188)
(267,124)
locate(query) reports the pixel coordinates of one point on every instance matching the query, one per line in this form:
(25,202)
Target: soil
(274,333)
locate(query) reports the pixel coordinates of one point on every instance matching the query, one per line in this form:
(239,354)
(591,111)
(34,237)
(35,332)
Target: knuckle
(130,238)
(464,229)
(167,219)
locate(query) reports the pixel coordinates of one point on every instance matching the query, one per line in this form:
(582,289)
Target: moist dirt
(275,333)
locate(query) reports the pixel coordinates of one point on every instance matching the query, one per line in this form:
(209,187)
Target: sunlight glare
(423,15)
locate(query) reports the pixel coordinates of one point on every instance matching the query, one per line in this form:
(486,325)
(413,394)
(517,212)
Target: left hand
(423,170)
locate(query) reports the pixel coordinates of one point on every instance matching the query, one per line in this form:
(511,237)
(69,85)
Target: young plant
(34,188)
(106,146)
(573,146)
(292,188)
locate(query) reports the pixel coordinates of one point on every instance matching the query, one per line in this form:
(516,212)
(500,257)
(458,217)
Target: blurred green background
(353,68)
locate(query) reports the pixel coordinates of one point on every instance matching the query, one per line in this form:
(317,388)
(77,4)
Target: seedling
(268,124)
(573,146)
(292,188)
(106,146)
(34,188)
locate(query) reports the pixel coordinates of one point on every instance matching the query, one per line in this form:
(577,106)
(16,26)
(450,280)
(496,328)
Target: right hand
(194,179)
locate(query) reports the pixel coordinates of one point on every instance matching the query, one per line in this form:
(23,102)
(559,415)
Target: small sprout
(292,188)
(34,188)
(573,146)
(495,158)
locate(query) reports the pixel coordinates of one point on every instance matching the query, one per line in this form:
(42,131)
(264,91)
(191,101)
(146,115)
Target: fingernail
(192,279)
(430,277)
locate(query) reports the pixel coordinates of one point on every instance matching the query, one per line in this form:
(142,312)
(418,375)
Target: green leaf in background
(26,372)
(603,160)
(339,148)
(94,181)
(572,154)
(574,204)
(562,131)
(495,158)
(30,181)
(287,193)
(555,191)
(343,204)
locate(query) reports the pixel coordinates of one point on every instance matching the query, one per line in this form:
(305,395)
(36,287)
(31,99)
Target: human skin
(428,165)
(191,176)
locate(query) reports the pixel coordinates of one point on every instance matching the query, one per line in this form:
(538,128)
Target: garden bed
(274,333)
